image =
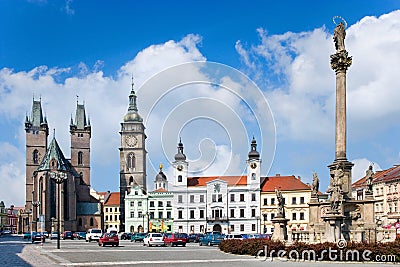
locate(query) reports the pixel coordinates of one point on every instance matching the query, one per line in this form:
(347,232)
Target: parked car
(53,235)
(195,237)
(153,239)
(186,237)
(211,239)
(27,235)
(93,234)
(36,236)
(109,239)
(175,239)
(6,232)
(138,237)
(46,234)
(126,236)
(80,235)
(67,235)
(233,236)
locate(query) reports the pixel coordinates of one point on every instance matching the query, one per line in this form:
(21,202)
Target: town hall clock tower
(132,153)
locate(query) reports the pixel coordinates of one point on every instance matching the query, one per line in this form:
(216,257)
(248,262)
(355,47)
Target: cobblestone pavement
(15,251)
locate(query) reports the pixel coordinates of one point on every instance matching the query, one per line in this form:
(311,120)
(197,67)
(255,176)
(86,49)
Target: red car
(175,239)
(109,239)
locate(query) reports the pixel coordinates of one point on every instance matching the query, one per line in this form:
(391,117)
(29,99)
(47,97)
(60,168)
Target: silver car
(153,239)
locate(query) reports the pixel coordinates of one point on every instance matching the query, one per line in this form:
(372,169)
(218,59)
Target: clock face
(253,165)
(180,168)
(131,140)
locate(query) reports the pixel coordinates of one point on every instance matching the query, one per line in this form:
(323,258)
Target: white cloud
(12,174)
(302,91)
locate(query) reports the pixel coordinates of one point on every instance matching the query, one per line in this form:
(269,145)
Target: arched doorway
(140,229)
(217,228)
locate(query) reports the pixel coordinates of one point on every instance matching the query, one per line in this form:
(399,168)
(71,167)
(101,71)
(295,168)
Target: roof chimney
(298,177)
(278,174)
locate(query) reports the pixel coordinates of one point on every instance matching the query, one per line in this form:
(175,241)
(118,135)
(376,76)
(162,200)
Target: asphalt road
(15,251)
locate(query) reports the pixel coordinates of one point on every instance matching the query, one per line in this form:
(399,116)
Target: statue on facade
(368,179)
(280,203)
(338,36)
(315,185)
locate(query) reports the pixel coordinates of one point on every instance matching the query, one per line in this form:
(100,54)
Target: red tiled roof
(113,200)
(231,180)
(380,176)
(283,183)
(161,190)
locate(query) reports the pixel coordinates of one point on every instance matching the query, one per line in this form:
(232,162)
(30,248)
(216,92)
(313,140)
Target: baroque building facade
(227,204)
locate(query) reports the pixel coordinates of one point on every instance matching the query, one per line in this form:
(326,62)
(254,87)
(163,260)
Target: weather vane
(341,20)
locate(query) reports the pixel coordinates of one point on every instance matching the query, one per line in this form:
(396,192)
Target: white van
(93,234)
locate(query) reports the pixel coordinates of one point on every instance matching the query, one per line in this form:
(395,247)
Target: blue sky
(58,49)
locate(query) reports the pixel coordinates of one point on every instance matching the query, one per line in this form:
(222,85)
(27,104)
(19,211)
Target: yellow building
(296,196)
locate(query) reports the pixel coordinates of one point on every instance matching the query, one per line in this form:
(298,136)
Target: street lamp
(36,204)
(59,178)
(28,212)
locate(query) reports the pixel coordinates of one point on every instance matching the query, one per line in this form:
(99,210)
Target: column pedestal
(280,229)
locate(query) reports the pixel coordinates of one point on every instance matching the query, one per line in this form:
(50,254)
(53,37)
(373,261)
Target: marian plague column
(340,170)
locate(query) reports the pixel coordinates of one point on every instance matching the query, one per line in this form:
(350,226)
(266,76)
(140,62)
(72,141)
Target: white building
(150,212)
(229,204)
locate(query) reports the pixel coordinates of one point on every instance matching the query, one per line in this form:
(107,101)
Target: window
(253,212)
(115,217)
(140,214)
(152,215)
(214,198)
(160,214)
(179,198)
(253,176)
(179,178)
(160,203)
(294,216)
(91,223)
(302,216)
(201,214)
(219,197)
(35,157)
(253,227)
(232,228)
(253,197)
(232,197)
(191,198)
(168,215)
(80,158)
(131,161)
(265,201)
(201,198)
(169,204)
(139,203)
(192,214)
(106,209)
(241,197)
(232,213)
(132,204)
(152,204)
(272,215)
(116,209)
(241,213)
(293,200)
(242,227)
(132,214)
(395,207)
(272,201)
(301,200)
(180,216)
(106,217)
